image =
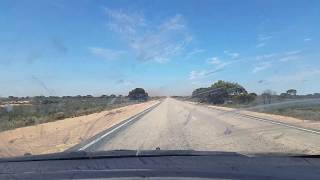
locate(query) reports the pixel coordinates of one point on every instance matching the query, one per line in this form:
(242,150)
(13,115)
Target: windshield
(218,75)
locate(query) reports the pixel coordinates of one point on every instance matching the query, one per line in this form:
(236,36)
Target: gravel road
(178,125)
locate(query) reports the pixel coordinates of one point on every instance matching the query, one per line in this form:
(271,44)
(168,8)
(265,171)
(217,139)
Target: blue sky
(167,47)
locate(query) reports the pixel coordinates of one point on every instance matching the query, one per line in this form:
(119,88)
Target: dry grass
(62,134)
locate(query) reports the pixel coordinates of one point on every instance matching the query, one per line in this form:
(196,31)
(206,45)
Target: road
(178,125)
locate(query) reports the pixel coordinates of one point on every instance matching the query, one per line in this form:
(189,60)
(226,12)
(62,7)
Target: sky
(80,47)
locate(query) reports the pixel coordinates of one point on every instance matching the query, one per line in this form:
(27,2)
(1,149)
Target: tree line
(222,92)
(136,94)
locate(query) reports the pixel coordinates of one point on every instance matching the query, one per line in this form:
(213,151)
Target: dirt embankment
(60,135)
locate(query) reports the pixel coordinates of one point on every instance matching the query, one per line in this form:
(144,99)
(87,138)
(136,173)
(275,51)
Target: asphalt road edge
(82,146)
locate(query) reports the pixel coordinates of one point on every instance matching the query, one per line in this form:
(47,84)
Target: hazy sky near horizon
(167,47)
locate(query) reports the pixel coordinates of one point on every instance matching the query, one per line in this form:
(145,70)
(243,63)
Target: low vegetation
(24,111)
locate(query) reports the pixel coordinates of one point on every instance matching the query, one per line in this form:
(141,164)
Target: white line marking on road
(113,130)
(101,137)
(287,125)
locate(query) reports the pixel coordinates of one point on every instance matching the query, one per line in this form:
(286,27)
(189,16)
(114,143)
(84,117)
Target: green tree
(138,94)
(220,91)
(292,92)
(230,87)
